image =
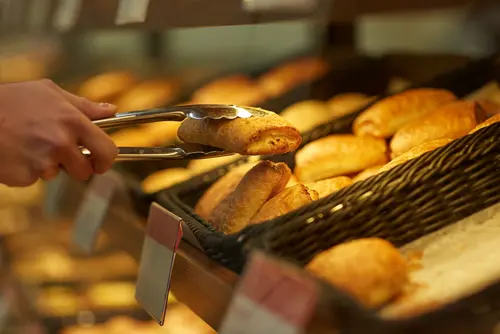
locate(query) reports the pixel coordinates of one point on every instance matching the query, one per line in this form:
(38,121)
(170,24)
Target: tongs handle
(131,118)
(145,153)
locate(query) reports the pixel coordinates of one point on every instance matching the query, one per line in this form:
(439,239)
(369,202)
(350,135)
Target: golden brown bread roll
(415,153)
(220,190)
(133,137)
(259,184)
(329,186)
(338,155)
(201,166)
(369,172)
(344,104)
(270,134)
(164,179)
(387,116)
(292,181)
(306,115)
(489,107)
(372,270)
(488,122)
(286,201)
(162,133)
(149,94)
(450,121)
(292,74)
(235,89)
(106,87)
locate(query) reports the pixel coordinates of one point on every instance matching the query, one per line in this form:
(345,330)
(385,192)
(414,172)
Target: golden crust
(338,155)
(164,179)
(286,201)
(329,186)
(491,108)
(369,172)
(133,137)
(488,122)
(387,116)
(415,153)
(306,115)
(220,190)
(291,74)
(344,104)
(261,183)
(450,121)
(371,270)
(107,86)
(235,89)
(270,134)
(201,166)
(149,94)
(162,133)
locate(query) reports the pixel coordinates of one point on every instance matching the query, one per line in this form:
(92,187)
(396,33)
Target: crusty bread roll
(291,74)
(106,87)
(270,134)
(162,133)
(415,153)
(220,190)
(369,172)
(292,182)
(372,270)
(387,116)
(489,107)
(235,89)
(286,201)
(338,155)
(343,104)
(329,186)
(149,94)
(488,122)
(262,182)
(164,179)
(450,121)
(133,137)
(201,166)
(308,114)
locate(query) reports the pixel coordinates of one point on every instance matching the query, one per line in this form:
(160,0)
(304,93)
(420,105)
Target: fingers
(50,173)
(103,150)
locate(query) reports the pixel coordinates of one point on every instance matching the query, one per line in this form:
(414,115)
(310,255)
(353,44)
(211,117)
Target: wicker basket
(228,249)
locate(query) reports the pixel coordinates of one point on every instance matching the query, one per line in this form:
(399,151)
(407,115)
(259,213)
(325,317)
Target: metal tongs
(176,113)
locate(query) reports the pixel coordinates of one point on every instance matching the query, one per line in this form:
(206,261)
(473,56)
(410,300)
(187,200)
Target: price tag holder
(295,6)
(67,14)
(163,234)
(272,297)
(94,208)
(132,11)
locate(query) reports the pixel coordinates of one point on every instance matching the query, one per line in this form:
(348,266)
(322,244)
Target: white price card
(272,297)
(93,209)
(131,11)
(67,14)
(54,196)
(255,6)
(163,234)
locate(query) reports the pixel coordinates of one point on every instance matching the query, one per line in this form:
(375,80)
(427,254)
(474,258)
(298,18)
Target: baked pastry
(106,87)
(387,116)
(286,201)
(162,133)
(488,122)
(292,181)
(329,186)
(338,155)
(369,172)
(292,74)
(149,94)
(450,121)
(222,188)
(415,153)
(201,166)
(235,89)
(164,179)
(343,104)
(112,295)
(262,182)
(372,270)
(270,134)
(308,114)
(133,137)
(489,107)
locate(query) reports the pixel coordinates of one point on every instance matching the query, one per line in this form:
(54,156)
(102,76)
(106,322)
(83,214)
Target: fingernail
(107,105)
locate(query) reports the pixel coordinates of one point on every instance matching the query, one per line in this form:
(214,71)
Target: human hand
(41,129)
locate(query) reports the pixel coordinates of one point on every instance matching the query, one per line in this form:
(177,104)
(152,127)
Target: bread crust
(106,87)
(164,179)
(338,155)
(488,122)
(270,134)
(369,172)
(234,89)
(388,115)
(149,94)
(329,186)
